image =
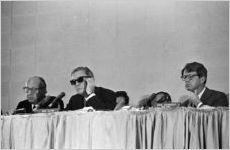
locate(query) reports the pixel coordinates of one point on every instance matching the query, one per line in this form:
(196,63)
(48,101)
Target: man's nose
(187,81)
(28,92)
(76,84)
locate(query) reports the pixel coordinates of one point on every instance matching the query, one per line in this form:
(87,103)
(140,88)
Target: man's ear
(44,91)
(202,79)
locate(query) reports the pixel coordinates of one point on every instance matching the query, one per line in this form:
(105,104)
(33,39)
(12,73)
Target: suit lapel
(205,96)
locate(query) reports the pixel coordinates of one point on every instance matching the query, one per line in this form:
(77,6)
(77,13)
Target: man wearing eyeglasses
(195,77)
(87,94)
(35,90)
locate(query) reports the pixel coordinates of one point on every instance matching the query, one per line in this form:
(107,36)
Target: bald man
(35,90)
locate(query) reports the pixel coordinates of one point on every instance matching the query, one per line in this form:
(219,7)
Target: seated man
(195,77)
(154,99)
(122,99)
(87,94)
(36,96)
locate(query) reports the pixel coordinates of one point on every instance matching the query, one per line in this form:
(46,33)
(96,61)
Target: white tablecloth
(157,128)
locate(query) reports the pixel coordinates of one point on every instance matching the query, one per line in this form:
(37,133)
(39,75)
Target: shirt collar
(33,106)
(201,93)
(91,95)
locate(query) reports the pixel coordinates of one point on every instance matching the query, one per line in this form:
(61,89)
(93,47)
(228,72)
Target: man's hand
(88,109)
(189,100)
(90,85)
(13,111)
(119,105)
(7,113)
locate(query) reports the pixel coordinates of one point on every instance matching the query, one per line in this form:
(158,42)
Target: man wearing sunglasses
(195,76)
(87,94)
(35,90)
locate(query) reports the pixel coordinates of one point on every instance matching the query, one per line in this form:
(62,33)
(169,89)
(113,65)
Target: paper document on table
(206,107)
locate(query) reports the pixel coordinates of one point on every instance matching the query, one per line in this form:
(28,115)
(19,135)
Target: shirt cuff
(199,105)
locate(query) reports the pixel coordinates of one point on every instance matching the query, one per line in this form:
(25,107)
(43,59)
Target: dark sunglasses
(79,80)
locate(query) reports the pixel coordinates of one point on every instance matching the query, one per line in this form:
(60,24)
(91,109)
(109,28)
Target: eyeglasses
(79,80)
(188,77)
(26,89)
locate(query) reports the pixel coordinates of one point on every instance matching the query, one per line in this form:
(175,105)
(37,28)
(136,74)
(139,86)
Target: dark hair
(43,82)
(196,67)
(166,98)
(88,72)
(123,94)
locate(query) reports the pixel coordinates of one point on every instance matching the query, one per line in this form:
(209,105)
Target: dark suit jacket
(105,99)
(214,98)
(28,106)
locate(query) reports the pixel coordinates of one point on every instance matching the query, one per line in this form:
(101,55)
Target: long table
(157,128)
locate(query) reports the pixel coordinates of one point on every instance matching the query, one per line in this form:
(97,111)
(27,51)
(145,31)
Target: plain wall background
(133,45)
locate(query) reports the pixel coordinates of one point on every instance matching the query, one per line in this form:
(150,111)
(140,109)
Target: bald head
(37,81)
(36,89)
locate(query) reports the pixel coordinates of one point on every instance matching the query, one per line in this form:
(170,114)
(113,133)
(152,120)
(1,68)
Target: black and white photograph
(115,74)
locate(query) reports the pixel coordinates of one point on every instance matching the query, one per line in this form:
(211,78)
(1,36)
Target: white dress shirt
(199,96)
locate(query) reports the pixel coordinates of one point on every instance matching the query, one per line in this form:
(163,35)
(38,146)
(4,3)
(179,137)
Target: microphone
(60,96)
(44,102)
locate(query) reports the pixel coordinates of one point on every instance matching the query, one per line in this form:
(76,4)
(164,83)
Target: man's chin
(80,92)
(189,89)
(31,101)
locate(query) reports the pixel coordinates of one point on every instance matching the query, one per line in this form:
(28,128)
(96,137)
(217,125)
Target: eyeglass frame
(188,77)
(26,89)
(79,80)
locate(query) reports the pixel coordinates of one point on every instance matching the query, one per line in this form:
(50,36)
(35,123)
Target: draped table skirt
(157,128)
